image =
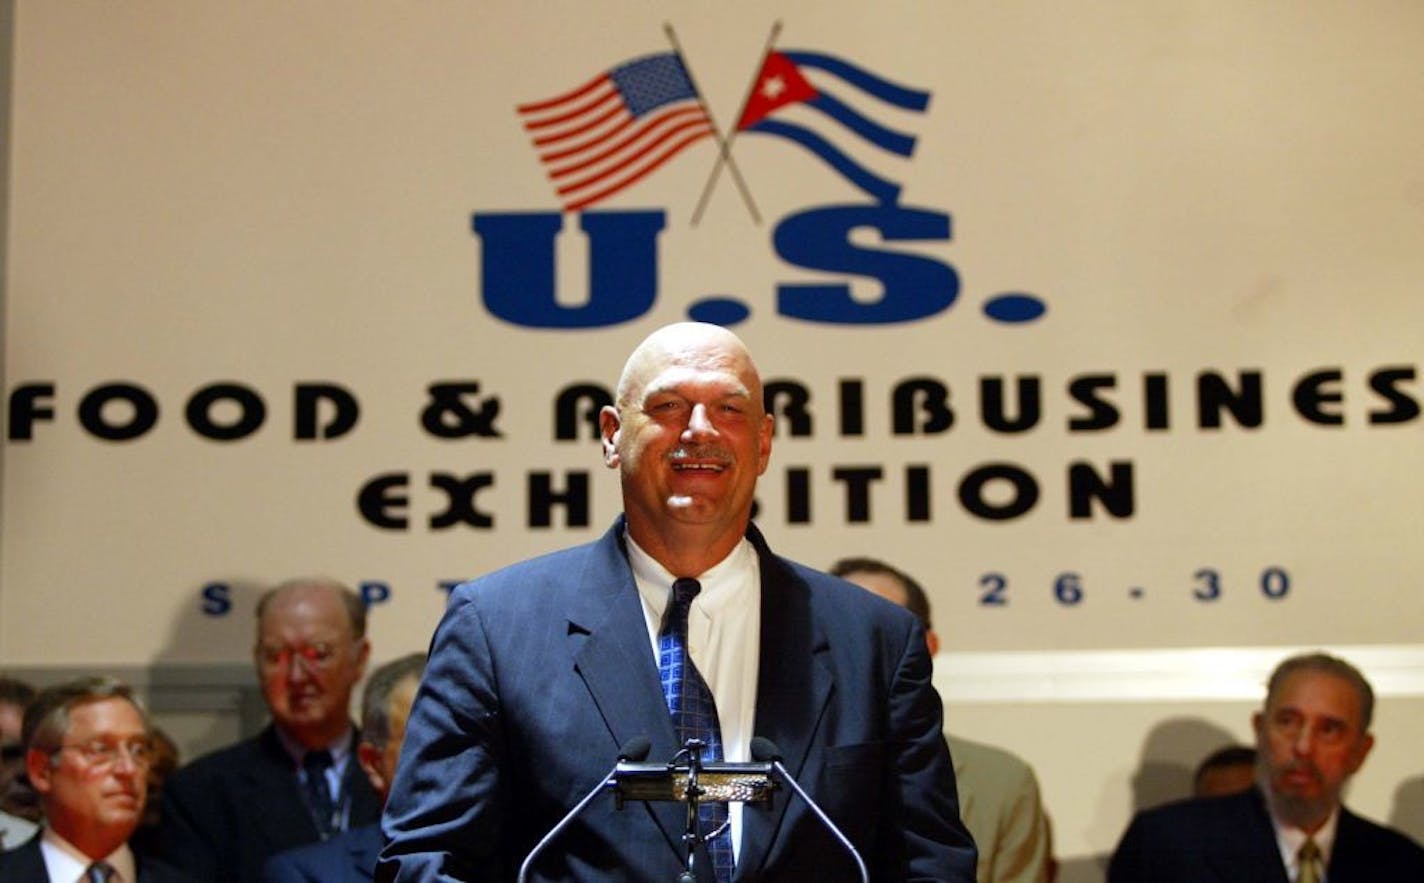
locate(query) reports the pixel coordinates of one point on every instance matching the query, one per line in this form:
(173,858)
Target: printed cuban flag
(794,79)
(617,128)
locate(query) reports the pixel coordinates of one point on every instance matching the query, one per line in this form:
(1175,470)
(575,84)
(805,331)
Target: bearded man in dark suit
(1311,737)
(540,672)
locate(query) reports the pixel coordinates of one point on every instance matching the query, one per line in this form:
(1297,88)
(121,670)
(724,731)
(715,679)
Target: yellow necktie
(1309,858)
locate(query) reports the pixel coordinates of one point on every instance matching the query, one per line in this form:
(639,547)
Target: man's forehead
(1318,690)
(103,716)
(706,347)
(674,378)
(316,608)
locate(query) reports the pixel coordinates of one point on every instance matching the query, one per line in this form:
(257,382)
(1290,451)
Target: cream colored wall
(276,192)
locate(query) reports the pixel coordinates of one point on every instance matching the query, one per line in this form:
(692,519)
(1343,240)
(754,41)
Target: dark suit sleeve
(442,819)
(287,868)
(935,844)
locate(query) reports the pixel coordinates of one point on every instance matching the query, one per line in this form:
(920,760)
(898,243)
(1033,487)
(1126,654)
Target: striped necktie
(99,872)
(694,713)
(1309,859)
(318,792)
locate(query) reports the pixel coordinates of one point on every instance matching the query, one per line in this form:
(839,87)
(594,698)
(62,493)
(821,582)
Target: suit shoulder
(1194,814)
(218,765)
(1383,841)
(25,857)
(837,599)
(154,871)
(524,576)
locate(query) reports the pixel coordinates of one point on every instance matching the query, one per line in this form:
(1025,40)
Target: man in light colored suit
(540,672)
(998,792)
(87,750)
(350,857)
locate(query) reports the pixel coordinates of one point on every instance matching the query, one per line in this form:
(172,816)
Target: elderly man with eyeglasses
(296,782)
(87,754)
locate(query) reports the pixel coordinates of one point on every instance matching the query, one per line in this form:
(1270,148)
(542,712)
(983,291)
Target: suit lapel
(27,861)
(273,784)
(609,642)
(1251,841)
(794,684)
(1347,859)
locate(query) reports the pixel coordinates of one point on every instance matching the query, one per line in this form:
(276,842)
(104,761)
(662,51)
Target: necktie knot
(317,762)
(99,872)
(684,590)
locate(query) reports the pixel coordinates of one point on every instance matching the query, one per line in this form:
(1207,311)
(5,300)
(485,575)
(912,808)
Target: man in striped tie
(87,750)
(680,628)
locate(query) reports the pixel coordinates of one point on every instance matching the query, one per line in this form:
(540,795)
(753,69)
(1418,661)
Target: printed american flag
(619,127)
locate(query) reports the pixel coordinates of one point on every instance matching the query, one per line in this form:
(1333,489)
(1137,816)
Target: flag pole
(724,145)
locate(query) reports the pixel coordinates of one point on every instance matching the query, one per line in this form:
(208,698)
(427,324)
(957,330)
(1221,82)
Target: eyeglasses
(319,655)
(98,753)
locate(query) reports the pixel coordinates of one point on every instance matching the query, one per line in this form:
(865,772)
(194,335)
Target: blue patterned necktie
(694,713)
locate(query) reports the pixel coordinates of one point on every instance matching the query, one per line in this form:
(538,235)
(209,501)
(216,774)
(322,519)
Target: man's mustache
(701,453)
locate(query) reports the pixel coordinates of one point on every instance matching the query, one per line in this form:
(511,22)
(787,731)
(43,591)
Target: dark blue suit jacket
(540,672)
(1230,840)
(348,857)
(25,864)
(226,813)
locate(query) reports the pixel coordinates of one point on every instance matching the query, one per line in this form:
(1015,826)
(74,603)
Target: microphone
(765,750)
(634,749)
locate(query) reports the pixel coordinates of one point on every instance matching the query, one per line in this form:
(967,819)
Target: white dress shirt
(1289,840)
(335,774)
(723,638)
(64,863)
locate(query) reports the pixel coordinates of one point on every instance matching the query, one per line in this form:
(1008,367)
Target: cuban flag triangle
(786,80)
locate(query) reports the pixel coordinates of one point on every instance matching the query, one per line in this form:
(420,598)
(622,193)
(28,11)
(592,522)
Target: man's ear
(363,655)
(1258,726)
(369,756)
(609,425)
(1361,751)
(38,770)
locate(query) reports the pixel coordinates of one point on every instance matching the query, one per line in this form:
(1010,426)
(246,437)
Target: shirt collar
(720,582)
(339,749)
(64,861)
(1290,839)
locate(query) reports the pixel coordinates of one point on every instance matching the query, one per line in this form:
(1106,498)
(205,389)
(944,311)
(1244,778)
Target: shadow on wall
(201,686)
(1408,812)
(1169,757)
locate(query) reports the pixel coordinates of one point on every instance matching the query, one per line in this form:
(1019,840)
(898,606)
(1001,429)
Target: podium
(686,779)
